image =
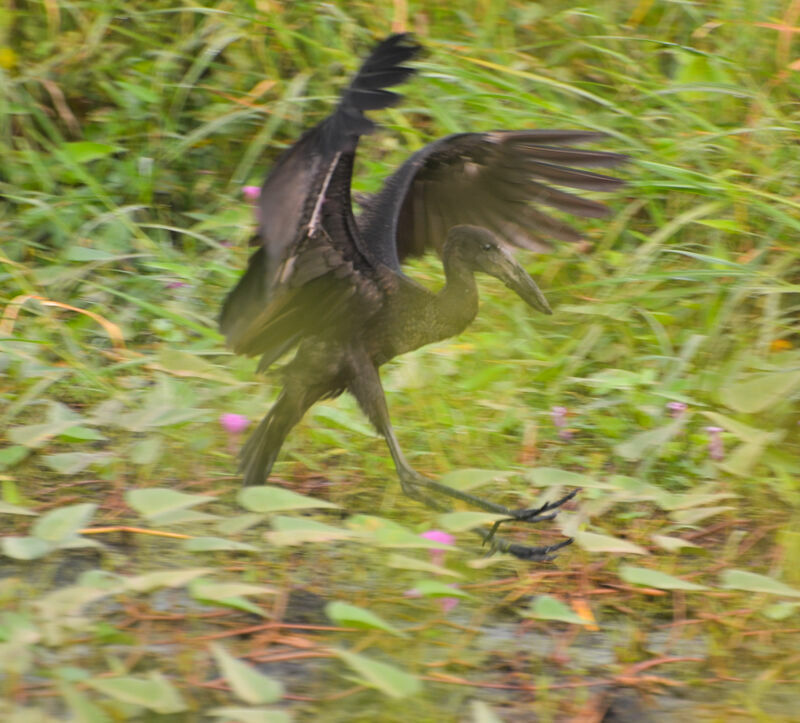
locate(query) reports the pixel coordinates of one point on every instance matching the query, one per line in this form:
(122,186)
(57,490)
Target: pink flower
(677,409)
(234,423)
(443,538)
(559,415)
(716,449)
(251,193)
(448,603)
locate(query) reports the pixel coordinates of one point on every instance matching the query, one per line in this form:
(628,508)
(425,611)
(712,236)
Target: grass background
(127,130)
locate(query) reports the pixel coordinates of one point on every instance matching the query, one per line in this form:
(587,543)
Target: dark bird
(331,285)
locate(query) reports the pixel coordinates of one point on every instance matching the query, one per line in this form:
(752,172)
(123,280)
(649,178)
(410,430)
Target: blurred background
(665,385)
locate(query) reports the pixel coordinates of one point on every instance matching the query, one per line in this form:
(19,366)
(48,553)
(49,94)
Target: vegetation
(137,582)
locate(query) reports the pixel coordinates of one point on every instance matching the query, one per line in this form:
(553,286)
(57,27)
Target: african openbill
(331,285)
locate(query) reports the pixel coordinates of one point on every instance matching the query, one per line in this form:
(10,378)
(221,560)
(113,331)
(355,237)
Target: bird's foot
(525,552)
(420,488)
(537,514)
(534,514)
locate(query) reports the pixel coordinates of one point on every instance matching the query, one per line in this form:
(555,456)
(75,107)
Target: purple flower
(559,415)
(234,424)
(176,284)
(677,409)
(251,193)
(443,538)
(716,449)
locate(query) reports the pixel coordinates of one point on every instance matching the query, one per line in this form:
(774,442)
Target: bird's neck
(458,300)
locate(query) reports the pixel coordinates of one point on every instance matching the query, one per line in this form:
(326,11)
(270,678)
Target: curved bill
(519,281)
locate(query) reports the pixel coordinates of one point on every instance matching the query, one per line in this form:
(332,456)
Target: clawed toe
(534,514)
(537,554)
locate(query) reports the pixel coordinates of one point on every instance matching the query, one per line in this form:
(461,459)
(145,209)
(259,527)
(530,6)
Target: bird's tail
(367,91)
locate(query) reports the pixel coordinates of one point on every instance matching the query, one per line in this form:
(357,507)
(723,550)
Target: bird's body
(332,287)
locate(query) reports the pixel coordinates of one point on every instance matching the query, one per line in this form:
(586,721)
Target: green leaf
(671,544)
(155,692)
(388,679)
(352,616)
(250,715)
(229,594)
(758,392)
(436,588)
(389,534)
(25,548)
(268,498)
(412,563)
(164,578)
(190,365)
(545,607)
(247,683)
(158,500)
(87,254)
(146,451)
(9,456)
(593,542)
(81,708)
(65,522)
(752,582)
(721,224)
(467,520)
(182,517)
(9,509)
(467,479)
(780,611)
(214,544)
(298,530)
(80,433)
(482,713)
(59,418)
(86,151)
(239,523)
(644,443)
(656,579)
(552,477)
(68,463)
(343,418)
(695,515)
(743,431)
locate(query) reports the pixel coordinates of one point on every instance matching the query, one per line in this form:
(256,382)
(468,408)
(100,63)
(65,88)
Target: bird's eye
(487,247)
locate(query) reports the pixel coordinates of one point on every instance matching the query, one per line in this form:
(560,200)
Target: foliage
(138,583)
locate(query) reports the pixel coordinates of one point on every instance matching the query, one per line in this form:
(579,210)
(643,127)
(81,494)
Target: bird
(330,285)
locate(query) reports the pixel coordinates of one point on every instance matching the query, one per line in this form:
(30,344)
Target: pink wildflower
(677,409)
(443,538)
(716,449)
(234,423)
(559,415)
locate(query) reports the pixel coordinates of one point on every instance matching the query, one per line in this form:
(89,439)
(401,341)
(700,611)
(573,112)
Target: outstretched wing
(312,259)
(498,180)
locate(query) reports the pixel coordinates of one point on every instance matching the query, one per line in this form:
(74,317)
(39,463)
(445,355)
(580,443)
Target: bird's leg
(365,385)
(261,449)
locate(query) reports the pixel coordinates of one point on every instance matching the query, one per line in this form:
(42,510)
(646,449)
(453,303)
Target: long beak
(520,282)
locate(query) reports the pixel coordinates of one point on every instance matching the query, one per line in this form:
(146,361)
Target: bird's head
(480,250)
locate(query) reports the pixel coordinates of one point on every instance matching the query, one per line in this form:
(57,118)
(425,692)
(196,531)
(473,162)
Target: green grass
(126,133)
